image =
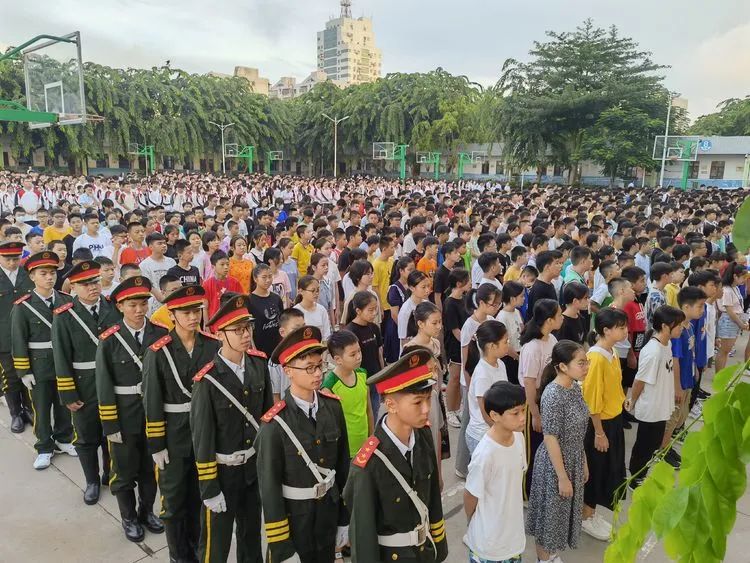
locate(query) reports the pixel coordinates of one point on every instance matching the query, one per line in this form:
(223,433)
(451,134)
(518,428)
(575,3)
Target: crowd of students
(557,317)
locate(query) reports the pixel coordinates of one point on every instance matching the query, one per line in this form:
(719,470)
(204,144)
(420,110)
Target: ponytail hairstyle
(303,283)
(607,318)
(358,269)
(489,332)
(272,254)
(665,315)
(314,260)
(359,300)
(544,309)
(399,267)
(457,276)
(259,269)
(257,235)
(485,292)
(562,353)
(572,291)
(414,279)
(511,290)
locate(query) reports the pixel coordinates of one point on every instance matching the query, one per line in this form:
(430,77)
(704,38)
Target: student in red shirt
(137,251)
(636,327)
(220,282)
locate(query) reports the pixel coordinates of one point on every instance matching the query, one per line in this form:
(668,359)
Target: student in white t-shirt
(493,499)
(653,394)
(493,341)
(156,264)
(91,238)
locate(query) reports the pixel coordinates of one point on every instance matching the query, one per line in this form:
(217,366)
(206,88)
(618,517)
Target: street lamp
(223,156)
(335,139)
(666,139)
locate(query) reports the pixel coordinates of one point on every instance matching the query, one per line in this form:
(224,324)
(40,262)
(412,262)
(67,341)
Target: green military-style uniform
(119,361)
(168,370)
(75,331)
(393,491)
(303,462)
(31,347)
(10,384)
(228,402)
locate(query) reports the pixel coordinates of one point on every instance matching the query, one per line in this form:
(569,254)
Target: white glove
(293,559)
(161,459)
(115,438)
(28,380)
(217,503)
(342,536)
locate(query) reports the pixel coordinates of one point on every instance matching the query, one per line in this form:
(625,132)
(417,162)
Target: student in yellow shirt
(382,267)
(57,230)
(675,282)
(303,250)
(167,284)
(520,257)
(605,438)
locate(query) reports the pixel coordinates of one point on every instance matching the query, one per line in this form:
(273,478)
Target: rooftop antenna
(346,8)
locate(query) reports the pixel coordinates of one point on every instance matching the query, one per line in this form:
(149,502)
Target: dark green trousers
(243,507)
(52,422)
(132,465)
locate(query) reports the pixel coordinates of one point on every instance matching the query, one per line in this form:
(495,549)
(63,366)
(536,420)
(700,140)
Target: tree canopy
(733,118)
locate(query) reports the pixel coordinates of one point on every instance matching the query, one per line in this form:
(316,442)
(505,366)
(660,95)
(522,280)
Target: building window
(717,170)
(693,170)
(101,161)
(486,167)
(123,162)
(557,171)
(168,163)
(499,167)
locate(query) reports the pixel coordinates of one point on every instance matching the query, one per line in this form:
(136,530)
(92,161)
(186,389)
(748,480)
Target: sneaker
(454,421)
(557,559)
(595,531)
(42,461)
(673,459)
(69,449)
(697,410)
(703,394)
(603,524)
(460,474)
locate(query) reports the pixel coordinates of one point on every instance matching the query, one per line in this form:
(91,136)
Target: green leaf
(727,471)
(722,379)
(713,405)
(741,228)
(670,510)
(741,397)
(693,458)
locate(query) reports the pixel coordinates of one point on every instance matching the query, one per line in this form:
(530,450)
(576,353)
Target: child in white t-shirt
(493,498)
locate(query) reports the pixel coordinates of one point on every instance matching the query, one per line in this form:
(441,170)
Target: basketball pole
(223,150)
(335,122)
(666,138)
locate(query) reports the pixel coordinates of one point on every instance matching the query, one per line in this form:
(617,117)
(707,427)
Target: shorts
(727,327)
(474,558)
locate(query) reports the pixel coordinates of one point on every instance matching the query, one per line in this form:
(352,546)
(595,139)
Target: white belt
(84,365)
(237,458)
(176,407)
(307,493)
(40,345)
(405,539)
(128,390)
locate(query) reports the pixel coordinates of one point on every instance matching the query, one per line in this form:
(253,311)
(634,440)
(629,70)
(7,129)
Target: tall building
(346,49)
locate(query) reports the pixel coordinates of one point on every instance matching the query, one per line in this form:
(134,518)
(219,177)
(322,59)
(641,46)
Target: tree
(733,118)
(568,83)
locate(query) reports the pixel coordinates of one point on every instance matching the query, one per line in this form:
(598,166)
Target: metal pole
(335,122)
(666,137)
(223,156)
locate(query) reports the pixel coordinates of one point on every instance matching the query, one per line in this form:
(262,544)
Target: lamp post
(223,155)
(666,139)
(335,139)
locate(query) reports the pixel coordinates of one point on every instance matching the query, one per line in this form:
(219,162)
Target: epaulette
(257,353)
(63,308)
(365,452)
(159,344)
(329,394)
(208,335)
(273,411)
(22,299)
(63,293)
(109,332)
(204,370)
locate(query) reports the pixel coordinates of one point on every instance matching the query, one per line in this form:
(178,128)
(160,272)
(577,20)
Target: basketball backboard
(478,156)
(53,71)
(678,148)
(231,150)
(276,155)
(383,151)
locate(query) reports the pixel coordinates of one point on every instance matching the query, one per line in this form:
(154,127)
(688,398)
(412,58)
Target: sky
(706,44)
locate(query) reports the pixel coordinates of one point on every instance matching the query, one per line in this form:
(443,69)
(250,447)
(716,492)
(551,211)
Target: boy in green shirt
(348,382)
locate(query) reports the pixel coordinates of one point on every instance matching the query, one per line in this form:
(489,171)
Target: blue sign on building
(705,145)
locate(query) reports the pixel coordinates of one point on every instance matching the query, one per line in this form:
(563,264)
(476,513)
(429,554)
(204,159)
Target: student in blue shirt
(692,301)
(710,283)
(528,277)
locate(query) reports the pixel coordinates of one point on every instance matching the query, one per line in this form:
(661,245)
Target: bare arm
(485,416)
(636,391)
(470,504)
(464,359)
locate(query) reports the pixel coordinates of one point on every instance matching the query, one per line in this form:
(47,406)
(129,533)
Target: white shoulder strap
(232,400)
(84,326)
(175,373)
(129,350)
(38,314)
(300,449)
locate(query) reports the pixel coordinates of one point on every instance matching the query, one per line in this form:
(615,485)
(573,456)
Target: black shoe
(27,416)
(673,458)
(151,522)
(703,394)
(133,530)
(635,483)
(91,494)
(626,425)
(629,417)
(678,431)
(105,479)
(17,424)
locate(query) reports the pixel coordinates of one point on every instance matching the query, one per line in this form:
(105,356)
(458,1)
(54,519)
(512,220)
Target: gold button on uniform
(322,460)
(421,548)
(248,441)
(317,442)
(246,392)
(398,499)
(394,556)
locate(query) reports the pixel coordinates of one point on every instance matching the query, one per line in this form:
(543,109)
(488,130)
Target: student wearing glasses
(308,290)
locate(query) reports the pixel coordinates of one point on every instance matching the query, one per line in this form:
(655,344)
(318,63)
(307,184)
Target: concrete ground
(43,518)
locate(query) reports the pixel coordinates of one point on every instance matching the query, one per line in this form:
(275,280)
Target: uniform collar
(402,448)
(305,405)
(237,369)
